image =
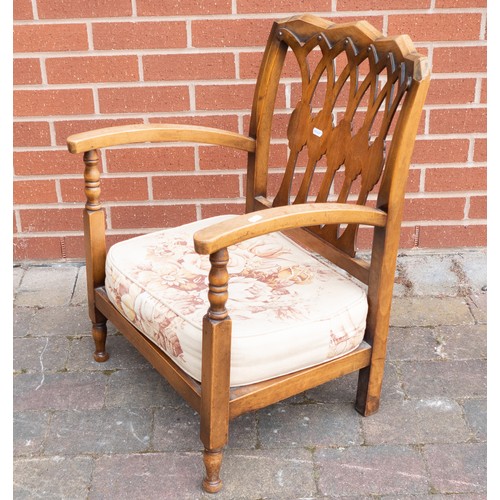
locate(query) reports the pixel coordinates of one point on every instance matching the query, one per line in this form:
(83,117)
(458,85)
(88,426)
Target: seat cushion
(290,310)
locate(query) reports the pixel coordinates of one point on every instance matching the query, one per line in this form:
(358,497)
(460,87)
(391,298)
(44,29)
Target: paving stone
(474,266)
(343,389)
(29,431)
(432,496)
(476,416)
(148,476)
(121,354)
(430,311)
(59,391)
(68,321)
(18,273)
(462,342)
(140,389)
(22,318)
(176,429)
(478,306)
(79,297)
(46,286)
(412,343)
(54,478)
(39,354)
(457,468)
(444,379)
(113,430)
(371,470)
(287,426)
(416,422)
(267,474)
(431,274)
(243,433)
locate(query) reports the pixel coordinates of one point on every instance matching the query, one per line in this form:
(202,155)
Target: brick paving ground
(116,430)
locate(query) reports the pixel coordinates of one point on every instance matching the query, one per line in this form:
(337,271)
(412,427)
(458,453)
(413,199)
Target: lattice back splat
(374,73)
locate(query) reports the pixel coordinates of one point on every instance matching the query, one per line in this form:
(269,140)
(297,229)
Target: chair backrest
(357,88)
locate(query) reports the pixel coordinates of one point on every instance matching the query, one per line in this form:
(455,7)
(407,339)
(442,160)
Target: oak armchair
(293,320)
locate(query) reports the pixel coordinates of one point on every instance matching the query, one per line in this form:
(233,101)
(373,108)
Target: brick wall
(80,65)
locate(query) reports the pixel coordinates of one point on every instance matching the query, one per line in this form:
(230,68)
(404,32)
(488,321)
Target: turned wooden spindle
(218,278)
(216,362)
(92,179)
(213,461)
(95,249)
(99,334)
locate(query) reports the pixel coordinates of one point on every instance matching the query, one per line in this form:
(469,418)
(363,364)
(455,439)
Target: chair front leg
(216,363)
(95,250)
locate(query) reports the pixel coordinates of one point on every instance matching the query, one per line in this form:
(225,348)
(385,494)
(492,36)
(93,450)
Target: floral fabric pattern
(289,309)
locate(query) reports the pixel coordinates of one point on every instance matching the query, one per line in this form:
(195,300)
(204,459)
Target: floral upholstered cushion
(289,310)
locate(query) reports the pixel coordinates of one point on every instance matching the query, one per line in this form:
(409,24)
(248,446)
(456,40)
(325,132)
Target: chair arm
(244,227)
(130,134)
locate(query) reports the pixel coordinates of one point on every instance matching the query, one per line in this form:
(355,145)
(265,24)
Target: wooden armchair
(296,321)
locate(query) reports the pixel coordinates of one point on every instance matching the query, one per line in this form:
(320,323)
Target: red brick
(478,207)
(484,91)
(459,59)
(68,9)
(143,99)
(480,150)
(53,102)
(413,183)
(224,122)
(229,97)
(139,35)
(47,163)
(250,64)
(452,236)
(219,158)
(195,187)
(66,128)
(433,27)
(441,151)
(74,247)
(148,216)
(37,248)
(231,32)
(272,6)
(112,189)
(51,219)
(184,7)
(377,21)
(159,159)
(452,91)
(382,4)
(31,134)
(453,179)
(458,121)
(92,69)
(426,209)
(36,191)
(467,4)
(189,66)
(212,210)
(27,72)
(23,9)
(50,37)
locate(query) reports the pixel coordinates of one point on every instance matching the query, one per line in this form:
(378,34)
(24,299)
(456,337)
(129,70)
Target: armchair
(282,317)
